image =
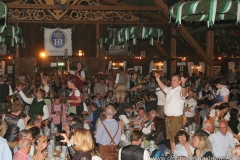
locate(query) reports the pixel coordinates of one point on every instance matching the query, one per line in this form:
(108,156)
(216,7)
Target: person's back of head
(1,78)
(136,137)
(110,111)
(16,106)
(3,127)
(208,126)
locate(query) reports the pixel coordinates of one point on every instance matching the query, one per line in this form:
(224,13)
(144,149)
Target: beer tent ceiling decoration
(206,10)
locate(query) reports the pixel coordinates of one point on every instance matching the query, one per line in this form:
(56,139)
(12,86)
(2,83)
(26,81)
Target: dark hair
(136,135)
(159,123)
(205,83)
(219,81)
(121,69)
(133,73)
(223,106)
(181,133)
(233,112)
(56,97)
(35,132)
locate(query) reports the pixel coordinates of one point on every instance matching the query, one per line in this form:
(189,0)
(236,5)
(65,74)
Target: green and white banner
(57,40)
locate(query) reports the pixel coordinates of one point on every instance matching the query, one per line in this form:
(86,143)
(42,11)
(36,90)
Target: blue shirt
(102,136)
(5,152)
(97,102)
(221,143)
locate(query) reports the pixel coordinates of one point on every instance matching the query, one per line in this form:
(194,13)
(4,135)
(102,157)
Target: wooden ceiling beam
(82,7)
(160,48)
(84,22)
(155,16)
(185,34)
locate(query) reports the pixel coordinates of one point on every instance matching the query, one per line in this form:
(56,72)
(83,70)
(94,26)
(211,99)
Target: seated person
(134,151)
(182,147)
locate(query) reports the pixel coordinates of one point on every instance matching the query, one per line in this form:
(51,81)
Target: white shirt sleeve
(21,124)
(146,155)
(194,106)
(212,113)
(147,130)
(85,107)
(124,119)
(119,154)
(10,90)
(117,78)
(227,116)
(72,72)
(83,74)
(45,113)
(77,93)
(224,92)
(46,88)
(26,99)
(200,95)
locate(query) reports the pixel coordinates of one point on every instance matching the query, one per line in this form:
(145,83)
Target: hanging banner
(57,40)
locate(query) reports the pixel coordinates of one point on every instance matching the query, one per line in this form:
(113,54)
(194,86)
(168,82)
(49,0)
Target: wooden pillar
(210,52)
(97,44)
(173,51)
(17,48)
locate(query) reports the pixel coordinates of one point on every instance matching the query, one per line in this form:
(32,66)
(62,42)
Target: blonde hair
(3,128)
(204,143)
(83,140)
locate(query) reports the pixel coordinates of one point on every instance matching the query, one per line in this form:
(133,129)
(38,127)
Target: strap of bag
(112,139)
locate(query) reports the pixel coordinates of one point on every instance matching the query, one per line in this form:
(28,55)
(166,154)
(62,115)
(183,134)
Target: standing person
(222,93)
(174,105)
(37,105)
(79,74)
(108,135)
(5,90)
(14,122)
(57,113)
(189,107)
(231,76)
(134,151)
(121,85)
(205,94)
(74,99)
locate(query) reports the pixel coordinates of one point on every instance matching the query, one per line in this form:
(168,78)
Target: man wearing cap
(124,112)
(173,108)
(152,104)
(57,113)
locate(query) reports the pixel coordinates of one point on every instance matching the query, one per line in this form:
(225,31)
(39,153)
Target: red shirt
(20,156)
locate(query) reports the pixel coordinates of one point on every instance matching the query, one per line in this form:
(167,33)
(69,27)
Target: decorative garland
(206,10)
(135,32)
(3,15)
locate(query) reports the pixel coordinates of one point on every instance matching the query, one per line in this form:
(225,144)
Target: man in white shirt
(173,108)
(189,107)
(37,105)
(222,141)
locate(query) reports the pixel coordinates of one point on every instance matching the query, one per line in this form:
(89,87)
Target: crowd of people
(103,118)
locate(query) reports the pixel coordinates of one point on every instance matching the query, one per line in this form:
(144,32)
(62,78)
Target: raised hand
(183,80)
(157,75)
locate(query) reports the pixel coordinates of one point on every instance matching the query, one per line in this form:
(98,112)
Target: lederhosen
(109,152)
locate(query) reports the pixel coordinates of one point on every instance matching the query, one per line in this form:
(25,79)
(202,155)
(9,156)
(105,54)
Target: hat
(126,105)
(76,125)
(76,119)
